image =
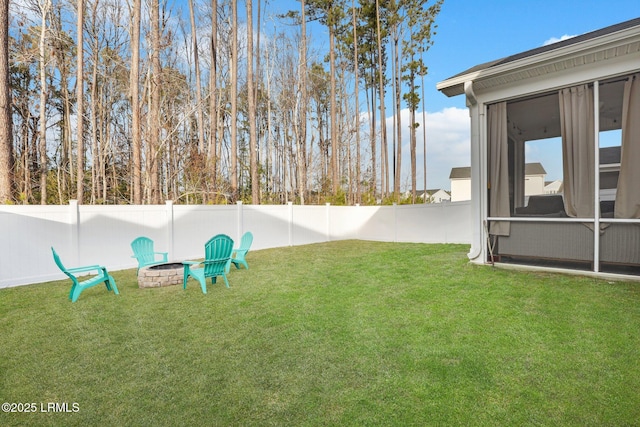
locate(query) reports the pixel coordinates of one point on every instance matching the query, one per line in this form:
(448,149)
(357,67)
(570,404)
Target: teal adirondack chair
(238,254)
(217,254)
(102,276)
(145,254)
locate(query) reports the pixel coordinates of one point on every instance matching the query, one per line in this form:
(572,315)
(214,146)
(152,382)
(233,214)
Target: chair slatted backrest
(217,253)
(61,266)
(246,241)
(143,249)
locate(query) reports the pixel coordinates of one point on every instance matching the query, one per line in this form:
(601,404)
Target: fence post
(358,216)
(240,221)
(290,225)
(74,223)
(328,222)
(170,227)
(395,222)
(446,225)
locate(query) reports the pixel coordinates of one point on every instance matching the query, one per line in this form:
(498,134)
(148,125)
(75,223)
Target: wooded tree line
(193,103)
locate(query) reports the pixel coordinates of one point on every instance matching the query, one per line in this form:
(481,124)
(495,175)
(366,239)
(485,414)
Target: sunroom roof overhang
(603,45)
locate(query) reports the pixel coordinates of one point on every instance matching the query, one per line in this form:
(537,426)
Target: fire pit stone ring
(160,275)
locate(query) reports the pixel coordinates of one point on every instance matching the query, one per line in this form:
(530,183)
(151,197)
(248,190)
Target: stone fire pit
(159,275)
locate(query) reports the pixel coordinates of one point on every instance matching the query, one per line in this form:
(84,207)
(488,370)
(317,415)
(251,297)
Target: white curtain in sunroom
(628,194)
(578,145)
(498,168)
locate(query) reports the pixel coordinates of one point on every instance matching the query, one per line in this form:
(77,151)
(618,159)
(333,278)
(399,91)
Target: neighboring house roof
(529,169)
(553,185)
(534,169)
(431,192)
(435,190)
(519,64)
(460,173)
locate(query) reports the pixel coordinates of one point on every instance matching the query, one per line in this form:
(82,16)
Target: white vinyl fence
(89,234)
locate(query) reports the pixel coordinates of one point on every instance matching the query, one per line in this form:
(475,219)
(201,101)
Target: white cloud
(448,146)
(556,39)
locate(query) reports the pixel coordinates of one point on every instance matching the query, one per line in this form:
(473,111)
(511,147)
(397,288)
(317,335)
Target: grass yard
(345,333)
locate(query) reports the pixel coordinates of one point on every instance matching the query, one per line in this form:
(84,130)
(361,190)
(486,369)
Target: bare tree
(6,125)
(330,13)
(234,101)
(212,157)
(44,7)
(196,61)
(356,99)
(251,95)
(394,21)
(384,163)
(302,107)
(420,24)
(80,104)
(334,109)
(154,111)
(134,92)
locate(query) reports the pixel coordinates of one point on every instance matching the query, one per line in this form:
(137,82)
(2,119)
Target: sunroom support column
(596,181)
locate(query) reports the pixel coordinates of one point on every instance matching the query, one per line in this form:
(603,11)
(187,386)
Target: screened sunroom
(579,100)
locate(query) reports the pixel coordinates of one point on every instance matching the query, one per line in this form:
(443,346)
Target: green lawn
(345,333)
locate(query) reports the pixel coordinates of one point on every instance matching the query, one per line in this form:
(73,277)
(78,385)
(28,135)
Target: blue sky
(472,32)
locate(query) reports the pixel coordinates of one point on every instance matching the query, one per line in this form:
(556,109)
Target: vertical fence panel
(269,224)
(378,223)
(308,225)
(195,225)
(28,232)
(344,222)
(434,223)
(106,232)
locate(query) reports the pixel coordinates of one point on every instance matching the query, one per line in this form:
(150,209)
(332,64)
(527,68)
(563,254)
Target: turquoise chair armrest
(87,268)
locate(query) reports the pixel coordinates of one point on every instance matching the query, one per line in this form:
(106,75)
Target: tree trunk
(253,142)
(334,115)
(398,155)
(302,107)
(384,160)
(45,6)
(156,87)
(356,100)
(424,140)
(6,125)
(371,107)
(212,157)
(234,103)
(413,148)
(134,81)
(95,109)
(196,60)
(80,103)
